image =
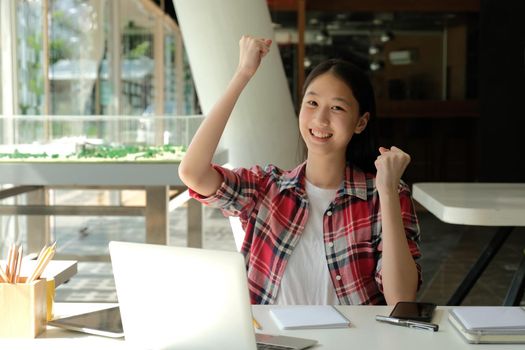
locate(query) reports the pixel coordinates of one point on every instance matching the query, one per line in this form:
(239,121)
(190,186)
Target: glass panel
(80,68)
(29,57)
(170,85)
(77,46)
(138,27)
(190,103)
(1,85)
(410,56)
(76,132)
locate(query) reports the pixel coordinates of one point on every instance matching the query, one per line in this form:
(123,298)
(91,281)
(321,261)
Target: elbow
(184,174)
(190,175)
(204,181)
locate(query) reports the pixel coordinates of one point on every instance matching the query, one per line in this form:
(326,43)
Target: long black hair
(361,150)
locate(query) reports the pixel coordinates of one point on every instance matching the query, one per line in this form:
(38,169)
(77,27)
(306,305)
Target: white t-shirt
(306,280)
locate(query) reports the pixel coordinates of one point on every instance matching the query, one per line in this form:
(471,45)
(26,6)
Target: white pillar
(263,127)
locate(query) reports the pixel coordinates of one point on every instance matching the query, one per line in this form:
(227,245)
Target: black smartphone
(411,310)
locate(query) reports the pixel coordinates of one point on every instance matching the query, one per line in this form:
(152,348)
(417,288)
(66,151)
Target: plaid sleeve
(238,192)
(408,215)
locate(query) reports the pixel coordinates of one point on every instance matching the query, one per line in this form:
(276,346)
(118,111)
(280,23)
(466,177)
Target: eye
(338,108)
(311,103)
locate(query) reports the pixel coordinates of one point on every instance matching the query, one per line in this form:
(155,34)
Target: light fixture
(307,62)
(376,65)
(323,36)
(320,36)
(313,21)
(374,50)
(402,57)
(386,36)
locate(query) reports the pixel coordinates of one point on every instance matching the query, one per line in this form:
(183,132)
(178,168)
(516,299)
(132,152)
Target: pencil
(41,254)
(256,324)
(41,264)
(14,262)
(47,258)
(8,268)
(3,275)
(19,263)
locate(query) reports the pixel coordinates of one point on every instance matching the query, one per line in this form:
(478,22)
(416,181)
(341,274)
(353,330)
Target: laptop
(105,322)
(187,298)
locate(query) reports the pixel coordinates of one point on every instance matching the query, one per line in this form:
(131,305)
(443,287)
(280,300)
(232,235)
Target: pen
(408,323)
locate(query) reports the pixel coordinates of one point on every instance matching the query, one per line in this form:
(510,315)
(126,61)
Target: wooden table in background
(156,178)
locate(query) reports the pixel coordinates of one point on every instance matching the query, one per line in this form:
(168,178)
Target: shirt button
(329,213)
(338,277)
(331,244)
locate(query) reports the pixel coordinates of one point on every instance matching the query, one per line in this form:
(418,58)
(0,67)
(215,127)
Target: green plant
(139,51)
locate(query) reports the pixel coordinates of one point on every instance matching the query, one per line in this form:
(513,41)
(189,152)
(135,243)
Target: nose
(321,116)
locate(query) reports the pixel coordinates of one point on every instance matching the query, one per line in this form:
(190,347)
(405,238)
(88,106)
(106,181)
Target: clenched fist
(252,50)
(390,165)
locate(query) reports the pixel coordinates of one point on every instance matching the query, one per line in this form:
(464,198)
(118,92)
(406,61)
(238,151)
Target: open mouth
(320,134)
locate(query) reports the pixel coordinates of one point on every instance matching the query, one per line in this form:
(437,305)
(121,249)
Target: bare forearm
(195,169)
(399,270)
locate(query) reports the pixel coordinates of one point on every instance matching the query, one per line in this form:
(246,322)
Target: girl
(338,229)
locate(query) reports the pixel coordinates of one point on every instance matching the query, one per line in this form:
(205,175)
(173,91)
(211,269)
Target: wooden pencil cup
(50,297)
(23,309)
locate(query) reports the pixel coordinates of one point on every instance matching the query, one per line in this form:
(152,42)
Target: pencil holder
(23,309)
(50,297)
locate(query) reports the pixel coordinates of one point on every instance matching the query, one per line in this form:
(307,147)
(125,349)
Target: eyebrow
(335,98)
(342,100)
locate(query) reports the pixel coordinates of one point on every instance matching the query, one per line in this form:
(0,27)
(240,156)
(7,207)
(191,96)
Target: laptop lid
(183,298)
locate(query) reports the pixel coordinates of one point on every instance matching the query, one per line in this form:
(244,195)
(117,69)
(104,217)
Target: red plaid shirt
(273,208)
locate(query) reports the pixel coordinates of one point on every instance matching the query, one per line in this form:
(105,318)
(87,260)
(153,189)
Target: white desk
(365,333)
(480,204)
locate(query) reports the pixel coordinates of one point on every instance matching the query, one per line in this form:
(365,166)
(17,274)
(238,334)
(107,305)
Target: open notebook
(489,324)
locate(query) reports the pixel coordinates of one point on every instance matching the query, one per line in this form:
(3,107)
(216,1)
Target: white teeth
(320,134)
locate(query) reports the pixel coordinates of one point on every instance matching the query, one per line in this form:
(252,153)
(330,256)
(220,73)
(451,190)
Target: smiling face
(329,116)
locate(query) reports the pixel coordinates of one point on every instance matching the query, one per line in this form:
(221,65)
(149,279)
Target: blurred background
(449,77)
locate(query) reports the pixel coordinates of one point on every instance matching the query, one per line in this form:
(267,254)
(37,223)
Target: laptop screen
(182,297)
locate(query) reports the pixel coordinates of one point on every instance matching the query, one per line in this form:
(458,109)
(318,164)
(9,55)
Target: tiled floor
(448,252)
(445,272)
